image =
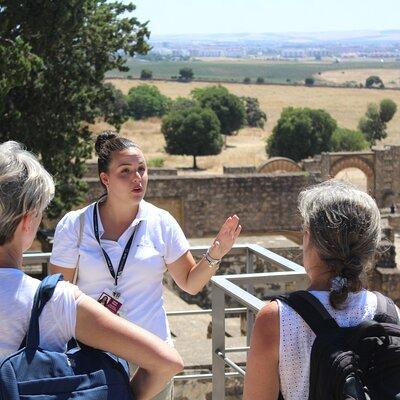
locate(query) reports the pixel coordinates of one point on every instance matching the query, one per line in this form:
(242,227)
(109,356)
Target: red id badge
(111,300)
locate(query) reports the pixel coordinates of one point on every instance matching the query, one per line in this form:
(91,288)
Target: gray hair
(345,226)
(25,186)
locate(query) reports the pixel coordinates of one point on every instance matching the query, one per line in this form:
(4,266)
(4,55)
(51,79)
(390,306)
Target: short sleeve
(65,245)
(176,242)
(58,319)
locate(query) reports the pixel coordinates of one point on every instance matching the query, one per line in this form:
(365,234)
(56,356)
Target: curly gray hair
(345,226)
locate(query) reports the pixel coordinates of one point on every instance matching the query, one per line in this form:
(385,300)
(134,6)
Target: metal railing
(239,287)
(230,285)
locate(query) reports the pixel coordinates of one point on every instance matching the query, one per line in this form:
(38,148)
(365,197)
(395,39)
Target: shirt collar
(141,215)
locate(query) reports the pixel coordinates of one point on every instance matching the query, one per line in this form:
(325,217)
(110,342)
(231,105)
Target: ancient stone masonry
(202,203)
(381,166)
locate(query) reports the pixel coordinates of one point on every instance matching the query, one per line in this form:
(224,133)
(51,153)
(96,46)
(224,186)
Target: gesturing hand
(226,237)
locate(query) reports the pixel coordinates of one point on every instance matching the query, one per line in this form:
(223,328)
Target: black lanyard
(124,256)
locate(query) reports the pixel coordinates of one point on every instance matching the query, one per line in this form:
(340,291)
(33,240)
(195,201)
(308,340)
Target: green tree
(56,56)
(114,107)
(146,75)
(255,117)
(247,80)
(309,81)
(348,140)
(145,101)
(301,133)
(228,107)
(374,124)
(186,74)
(182,103)
(260,80)
(374,81)
(194,131)
(387,109)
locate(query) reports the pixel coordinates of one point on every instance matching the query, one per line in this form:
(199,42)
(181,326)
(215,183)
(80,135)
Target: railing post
(218,342)
(250,289)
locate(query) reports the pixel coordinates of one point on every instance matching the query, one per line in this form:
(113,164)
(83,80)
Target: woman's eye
(125,171)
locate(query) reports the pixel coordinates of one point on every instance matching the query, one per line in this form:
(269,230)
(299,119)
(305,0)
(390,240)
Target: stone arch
(279,164)
(355,162)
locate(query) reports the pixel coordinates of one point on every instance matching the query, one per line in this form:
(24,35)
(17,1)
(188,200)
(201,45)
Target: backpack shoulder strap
(311,310)
(386,310)
(42,296)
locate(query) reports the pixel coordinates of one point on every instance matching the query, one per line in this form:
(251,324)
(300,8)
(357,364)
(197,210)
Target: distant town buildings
(242,48)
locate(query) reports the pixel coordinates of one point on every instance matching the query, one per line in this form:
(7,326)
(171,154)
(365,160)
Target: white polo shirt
(158,241)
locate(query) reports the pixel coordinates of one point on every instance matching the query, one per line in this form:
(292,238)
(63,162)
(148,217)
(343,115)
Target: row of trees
(145,101)
(305,132)
(186,74)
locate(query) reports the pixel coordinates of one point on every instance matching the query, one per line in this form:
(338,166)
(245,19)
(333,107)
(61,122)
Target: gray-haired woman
(341,234)
(25,191)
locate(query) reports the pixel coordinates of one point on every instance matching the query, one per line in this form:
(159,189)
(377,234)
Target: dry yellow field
(390,77)
(248,148)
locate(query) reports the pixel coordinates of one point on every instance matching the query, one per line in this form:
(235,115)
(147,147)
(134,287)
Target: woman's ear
(104,179)
(26,222)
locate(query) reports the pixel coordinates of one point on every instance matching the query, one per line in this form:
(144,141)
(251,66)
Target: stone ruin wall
(202,203)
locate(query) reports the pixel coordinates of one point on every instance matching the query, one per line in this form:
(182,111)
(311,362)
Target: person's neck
(10,257)
(120,214)
(320,279)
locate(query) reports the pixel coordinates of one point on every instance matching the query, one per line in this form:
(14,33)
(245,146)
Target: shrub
(146,74)
(374,81)
(156,162)
(247,80)
(309,81)
(186,74)
(146,101)
(348,140)
(301,133)
(255,117)
(260,79)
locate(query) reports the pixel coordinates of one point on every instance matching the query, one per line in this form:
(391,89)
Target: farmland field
(390,77)
(248,147)
(237,70)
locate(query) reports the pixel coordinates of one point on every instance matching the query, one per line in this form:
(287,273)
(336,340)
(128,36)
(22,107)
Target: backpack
(33,373)
(353,363)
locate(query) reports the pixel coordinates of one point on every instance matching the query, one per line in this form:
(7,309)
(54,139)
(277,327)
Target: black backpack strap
(386,310)
(311,310)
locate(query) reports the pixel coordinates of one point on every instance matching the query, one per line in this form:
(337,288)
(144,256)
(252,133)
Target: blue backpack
(82,373)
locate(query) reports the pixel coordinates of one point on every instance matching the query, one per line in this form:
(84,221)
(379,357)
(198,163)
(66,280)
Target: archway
(279,165)
(356,171)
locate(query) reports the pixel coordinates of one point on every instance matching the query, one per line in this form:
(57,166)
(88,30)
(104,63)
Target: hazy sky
(257,16)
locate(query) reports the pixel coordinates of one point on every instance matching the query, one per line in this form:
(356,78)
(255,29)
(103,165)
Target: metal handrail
(224,285)
(228,285)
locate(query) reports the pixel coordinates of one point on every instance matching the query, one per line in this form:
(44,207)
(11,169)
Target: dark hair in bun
(106,143)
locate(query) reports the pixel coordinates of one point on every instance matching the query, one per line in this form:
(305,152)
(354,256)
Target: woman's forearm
(199,276)
(146,385)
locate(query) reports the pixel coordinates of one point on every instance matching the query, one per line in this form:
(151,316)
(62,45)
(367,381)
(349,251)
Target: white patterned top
(297,338)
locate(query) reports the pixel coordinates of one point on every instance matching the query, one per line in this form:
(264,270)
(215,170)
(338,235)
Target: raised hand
(226,237)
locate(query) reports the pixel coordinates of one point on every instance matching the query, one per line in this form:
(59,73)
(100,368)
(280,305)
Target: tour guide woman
(25,190)
(128,243)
